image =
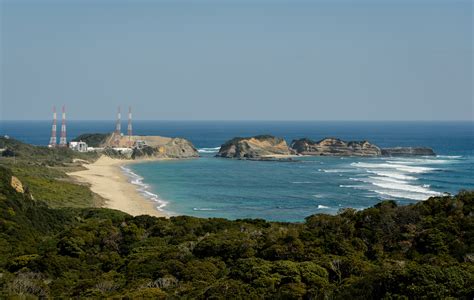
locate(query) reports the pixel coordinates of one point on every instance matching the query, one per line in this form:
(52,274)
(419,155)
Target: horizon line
(237,120)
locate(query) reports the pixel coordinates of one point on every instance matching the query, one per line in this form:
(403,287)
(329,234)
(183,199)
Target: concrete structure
(52,140)
(79,146)
(63,139)
(129,127)
(118,130)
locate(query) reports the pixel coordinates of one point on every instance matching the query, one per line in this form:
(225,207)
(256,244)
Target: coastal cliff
(335,147)
(172,148)
(150,146)
(256,147)
(266,147)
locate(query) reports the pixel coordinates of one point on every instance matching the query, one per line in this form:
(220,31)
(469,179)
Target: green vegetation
(93,139)
(418,251)
(41,155)
(43,172)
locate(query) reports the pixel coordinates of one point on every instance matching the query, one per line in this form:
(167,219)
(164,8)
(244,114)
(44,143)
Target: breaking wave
(392,175)
(209,150)
(203,209)
(395,178)
(142,188)
(332,170)
(399,167)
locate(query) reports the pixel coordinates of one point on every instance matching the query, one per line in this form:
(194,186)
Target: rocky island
(261,146)
(335,147)
(264,147)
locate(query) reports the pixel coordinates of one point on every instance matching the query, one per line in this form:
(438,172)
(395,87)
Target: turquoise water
(291,191)
(284,191)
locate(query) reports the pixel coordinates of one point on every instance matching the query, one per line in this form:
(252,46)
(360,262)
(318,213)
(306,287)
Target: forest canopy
(387,251)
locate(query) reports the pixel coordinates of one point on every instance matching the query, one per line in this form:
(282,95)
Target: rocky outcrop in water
(173,148)
(257,147)
(267,146)
(335,147)
(408,151)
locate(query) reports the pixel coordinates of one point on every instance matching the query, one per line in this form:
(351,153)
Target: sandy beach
(108,180)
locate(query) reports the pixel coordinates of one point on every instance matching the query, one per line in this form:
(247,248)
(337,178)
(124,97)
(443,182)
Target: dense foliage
(418,251)
(43,155)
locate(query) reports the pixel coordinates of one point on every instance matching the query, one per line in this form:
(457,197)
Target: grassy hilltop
(55,245)
(43,171)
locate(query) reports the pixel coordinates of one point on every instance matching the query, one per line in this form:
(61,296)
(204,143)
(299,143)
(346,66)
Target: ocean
(288,191)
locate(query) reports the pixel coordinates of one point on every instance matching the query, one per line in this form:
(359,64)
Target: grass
(43,172)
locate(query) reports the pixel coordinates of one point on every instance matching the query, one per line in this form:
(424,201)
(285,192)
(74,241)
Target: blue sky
(238,60)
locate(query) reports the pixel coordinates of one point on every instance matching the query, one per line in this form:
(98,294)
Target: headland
(106,176)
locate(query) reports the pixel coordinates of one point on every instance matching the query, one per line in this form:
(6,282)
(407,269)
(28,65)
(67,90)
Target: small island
(260,146)
(264,147)
(334,147)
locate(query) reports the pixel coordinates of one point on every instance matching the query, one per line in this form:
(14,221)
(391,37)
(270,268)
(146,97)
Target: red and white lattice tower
(62,139)
(118,131)
(129,127)
(52,140)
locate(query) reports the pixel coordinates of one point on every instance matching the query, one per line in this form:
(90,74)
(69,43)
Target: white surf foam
(333,170)
(322,206)
(395,178)
(388,179)
(399,167)
(203,209)
(142,188)
(406,188)
(351,186)
(209,150)
(395,187)
(420,161)
(449,156)
(392,175)
(401,194)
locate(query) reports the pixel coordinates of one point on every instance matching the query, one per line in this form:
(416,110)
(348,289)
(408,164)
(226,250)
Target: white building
(78,146)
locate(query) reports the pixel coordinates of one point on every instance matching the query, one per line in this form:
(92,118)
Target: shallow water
(291,191)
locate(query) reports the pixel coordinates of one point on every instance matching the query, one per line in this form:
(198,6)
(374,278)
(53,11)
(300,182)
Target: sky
(238,60)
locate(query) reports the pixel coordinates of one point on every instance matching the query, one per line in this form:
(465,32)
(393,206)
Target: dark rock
(408,151)
(261,146)
(173,148)
(334,147)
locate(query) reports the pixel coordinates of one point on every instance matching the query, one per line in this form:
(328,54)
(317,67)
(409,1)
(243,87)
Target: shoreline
(106,177)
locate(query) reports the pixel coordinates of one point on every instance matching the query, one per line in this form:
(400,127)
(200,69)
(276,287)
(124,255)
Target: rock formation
(17,185)
(408,151)
(141,146)
(335,147)
(257,147)
(170,148)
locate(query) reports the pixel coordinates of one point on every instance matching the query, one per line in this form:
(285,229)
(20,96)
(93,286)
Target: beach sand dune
(107,179)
